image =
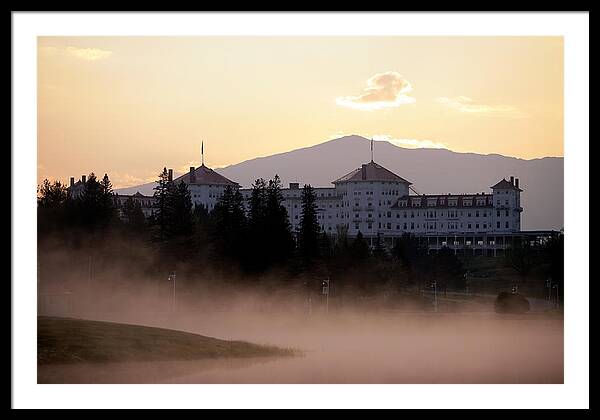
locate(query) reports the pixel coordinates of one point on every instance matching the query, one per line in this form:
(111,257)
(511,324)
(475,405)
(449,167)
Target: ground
(64,340)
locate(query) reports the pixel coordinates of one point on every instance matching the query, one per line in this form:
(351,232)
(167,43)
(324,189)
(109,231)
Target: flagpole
(371,149)
(202,152)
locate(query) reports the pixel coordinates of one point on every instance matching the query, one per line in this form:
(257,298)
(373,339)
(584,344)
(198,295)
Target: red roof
(505,185)
(371,172)
(204,175)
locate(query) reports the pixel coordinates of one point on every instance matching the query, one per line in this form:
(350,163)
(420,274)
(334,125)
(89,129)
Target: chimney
(72,181)
(294,185)
(170,175)
(364,173)
(512,180)
(192,174)
(517,182)
(83,178)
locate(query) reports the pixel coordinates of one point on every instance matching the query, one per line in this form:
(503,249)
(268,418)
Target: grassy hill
(64,340)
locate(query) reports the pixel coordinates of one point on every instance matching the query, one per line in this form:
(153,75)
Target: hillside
(430,170)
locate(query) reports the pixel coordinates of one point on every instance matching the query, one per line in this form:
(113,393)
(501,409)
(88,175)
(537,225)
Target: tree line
(251,238)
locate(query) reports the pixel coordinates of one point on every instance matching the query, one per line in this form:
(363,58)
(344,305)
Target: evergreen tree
(134,215)
(52,194)
(359,250)
(520,256)
(229,224)
(53,207)
(255,257)
(325,249)
(409,251)
(107,201)
(95,205)
(379,250)
(447,270)
(91,202)
(308,234)
(278,236)
(200,214)
(258,204)
(179,203)
(163,210)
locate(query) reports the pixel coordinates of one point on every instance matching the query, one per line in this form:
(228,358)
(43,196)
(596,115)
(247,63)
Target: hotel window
(506,213)
(412,225)
(356,226)
(476,225)
(498,213)
(370,225)
(389,225)
(506,225)
(404,226)
(498,225)
(469,226)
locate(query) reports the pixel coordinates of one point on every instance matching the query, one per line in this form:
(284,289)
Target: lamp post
(435,302)
(172,278)
(325,284)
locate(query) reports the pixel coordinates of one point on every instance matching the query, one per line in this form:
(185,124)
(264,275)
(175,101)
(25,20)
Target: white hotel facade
(378,203)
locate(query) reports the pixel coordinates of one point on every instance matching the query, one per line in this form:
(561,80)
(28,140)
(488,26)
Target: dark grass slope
(64,340)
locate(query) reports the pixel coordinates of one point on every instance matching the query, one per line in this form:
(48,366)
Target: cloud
(186,167)
(384,90)
(471,106)
(410,143)
(89,54)
(123,180)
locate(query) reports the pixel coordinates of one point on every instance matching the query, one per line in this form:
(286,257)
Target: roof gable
(371,172)
(505,185)
(205,175)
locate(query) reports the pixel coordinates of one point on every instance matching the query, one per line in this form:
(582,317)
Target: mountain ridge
(432,171)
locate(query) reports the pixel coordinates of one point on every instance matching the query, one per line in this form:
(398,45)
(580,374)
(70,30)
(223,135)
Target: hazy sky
(132,105)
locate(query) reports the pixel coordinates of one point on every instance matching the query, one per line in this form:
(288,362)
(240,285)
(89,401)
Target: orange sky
(131,105)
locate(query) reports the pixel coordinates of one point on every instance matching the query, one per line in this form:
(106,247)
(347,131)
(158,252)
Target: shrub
(512,303)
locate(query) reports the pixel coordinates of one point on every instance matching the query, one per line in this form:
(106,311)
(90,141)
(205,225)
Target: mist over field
(383,338)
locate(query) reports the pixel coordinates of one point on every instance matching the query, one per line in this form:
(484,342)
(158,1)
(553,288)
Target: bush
(511,303)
